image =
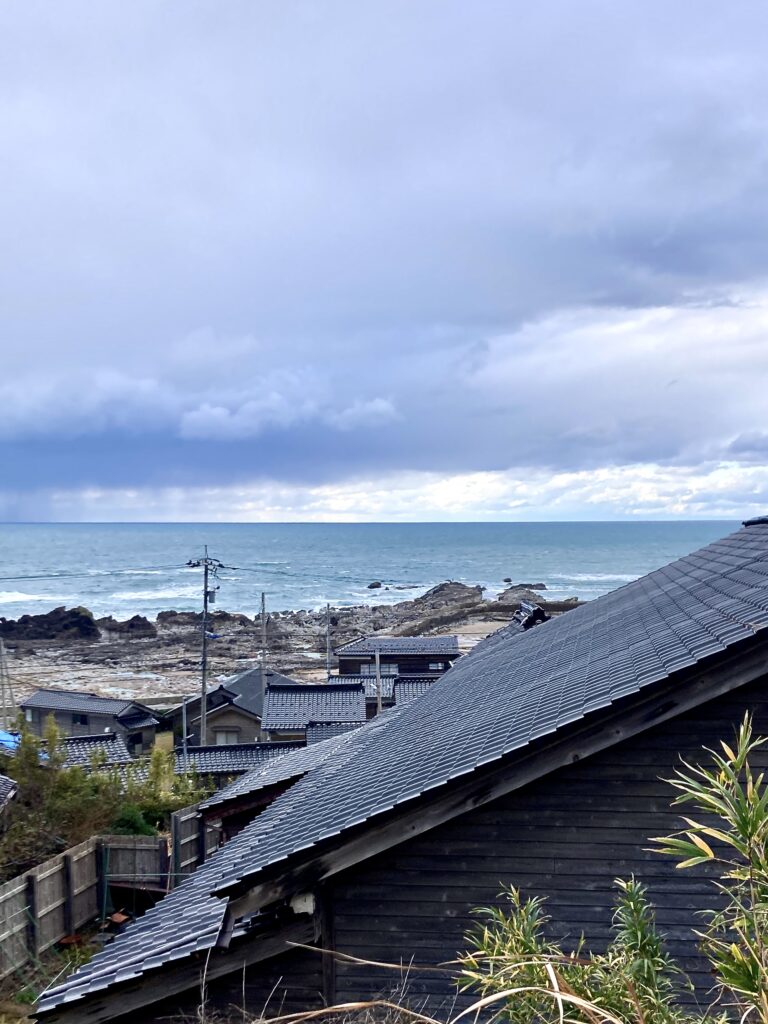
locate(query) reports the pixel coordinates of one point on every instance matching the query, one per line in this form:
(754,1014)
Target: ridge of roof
(448,644)
(66,700)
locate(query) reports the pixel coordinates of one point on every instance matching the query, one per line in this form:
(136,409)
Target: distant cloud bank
(383,260)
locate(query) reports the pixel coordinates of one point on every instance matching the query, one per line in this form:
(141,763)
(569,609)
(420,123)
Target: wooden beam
(69,895)
(326,936)
(485,785)
(175,977)
(33,925)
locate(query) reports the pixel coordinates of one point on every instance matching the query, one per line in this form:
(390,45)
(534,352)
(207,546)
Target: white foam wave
(157,595)
(14,596)
(595,577)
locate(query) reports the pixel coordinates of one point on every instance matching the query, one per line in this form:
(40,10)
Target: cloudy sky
(285,260)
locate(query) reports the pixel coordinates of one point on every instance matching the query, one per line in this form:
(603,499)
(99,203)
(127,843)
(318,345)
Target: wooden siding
(566,837)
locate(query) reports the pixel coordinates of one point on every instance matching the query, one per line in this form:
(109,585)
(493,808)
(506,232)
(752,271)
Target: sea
(124,569)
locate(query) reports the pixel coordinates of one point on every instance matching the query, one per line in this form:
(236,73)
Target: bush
(531,977)
(734,841)
(57,807)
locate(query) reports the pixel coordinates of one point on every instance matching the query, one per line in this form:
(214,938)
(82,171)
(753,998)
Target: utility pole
(210,567)
(6,690)
(184,731)
(263,647)
(378,680)
(328,641)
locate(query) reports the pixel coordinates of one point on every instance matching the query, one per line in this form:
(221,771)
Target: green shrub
(733,841)
(535,979)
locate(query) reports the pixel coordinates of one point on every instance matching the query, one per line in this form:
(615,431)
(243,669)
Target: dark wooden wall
(566,837)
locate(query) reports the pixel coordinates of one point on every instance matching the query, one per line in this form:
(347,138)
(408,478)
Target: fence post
(201,850)
(175,850)
(69,894)
(32,923)
(101,879)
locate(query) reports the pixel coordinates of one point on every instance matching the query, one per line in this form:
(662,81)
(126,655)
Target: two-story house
(77,713)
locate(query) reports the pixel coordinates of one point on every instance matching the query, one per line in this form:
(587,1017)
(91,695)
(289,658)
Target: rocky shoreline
(148,659)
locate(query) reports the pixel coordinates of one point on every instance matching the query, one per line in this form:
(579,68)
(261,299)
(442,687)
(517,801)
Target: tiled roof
(511,690)
(408,688)
(445,646)
(139,720)
(369,682)
(248,687)
(319,731)
(81,750)
(75,700)
(7,790)
(291,766)
(292,707)
(234,757)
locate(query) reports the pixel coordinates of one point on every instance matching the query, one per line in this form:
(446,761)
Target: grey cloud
(382,236)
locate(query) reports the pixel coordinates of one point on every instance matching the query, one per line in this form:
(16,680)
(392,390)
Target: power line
(94,574)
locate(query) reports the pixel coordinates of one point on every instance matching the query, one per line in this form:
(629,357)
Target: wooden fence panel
(14,920)
(185,842)
(39,908)
(50,899)
(85,883)
(136,860)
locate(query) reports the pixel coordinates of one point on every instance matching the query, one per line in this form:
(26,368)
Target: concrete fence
(55,899)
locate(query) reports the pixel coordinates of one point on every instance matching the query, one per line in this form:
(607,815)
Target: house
(87,714)
(289,709)
(398,655)
(234,709)
(537,760)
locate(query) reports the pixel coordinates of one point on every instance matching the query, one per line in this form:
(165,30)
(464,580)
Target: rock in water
(450,593)
(59,624)
(376,585)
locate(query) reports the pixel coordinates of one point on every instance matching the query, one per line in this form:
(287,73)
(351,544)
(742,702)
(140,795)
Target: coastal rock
(514,595)
(530,586)
(450,592)
(59,624)
(376,585)
(136,626)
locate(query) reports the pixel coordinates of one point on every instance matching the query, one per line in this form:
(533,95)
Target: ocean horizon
(123,569)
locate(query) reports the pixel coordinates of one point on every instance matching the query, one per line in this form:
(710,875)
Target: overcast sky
(408,259)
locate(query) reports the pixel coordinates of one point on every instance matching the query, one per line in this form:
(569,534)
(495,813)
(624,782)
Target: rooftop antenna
(210,567)
(6,690)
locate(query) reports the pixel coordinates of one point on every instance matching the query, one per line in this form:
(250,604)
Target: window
(388,668)
(79,719)
(224,737)
(436,666)
(28,714)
